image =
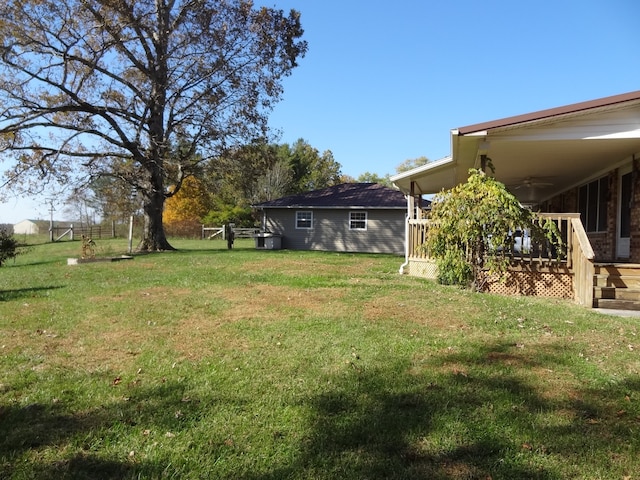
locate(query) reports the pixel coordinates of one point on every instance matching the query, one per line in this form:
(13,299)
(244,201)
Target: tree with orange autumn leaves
(187,208)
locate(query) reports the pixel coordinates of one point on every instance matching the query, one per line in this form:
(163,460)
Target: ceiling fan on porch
(529,190)
(532,182)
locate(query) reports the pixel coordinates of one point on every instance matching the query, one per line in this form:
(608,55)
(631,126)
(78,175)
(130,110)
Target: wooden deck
(536,270)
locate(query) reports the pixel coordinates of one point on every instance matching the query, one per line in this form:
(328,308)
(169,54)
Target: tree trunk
(153,236)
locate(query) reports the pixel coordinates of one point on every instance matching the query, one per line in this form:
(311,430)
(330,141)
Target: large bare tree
(92,88)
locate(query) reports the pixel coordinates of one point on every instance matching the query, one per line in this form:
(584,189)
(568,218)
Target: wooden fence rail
(219,232)
(74,232)
(524,248)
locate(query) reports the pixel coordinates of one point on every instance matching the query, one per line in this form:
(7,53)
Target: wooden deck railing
(417,238)
(576,253)
(582,260)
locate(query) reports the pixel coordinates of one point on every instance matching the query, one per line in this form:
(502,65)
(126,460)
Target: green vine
(471,232)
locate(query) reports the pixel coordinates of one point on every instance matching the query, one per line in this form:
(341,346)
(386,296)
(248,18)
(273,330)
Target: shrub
(470,226)
(9,246)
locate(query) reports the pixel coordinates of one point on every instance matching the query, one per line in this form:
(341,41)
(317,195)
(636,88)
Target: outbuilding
(350,217)
(30,227)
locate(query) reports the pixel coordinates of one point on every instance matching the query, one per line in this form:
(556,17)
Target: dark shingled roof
(345,195)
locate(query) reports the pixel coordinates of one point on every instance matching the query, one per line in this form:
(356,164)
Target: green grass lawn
(208,363)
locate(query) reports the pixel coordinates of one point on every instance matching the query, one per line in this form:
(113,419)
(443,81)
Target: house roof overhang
(428,178)
(540,154)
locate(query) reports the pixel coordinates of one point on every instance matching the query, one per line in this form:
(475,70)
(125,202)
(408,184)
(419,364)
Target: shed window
(304,219)
(592,203)
(357,220)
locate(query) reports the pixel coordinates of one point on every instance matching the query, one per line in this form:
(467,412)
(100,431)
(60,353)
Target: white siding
(26,227)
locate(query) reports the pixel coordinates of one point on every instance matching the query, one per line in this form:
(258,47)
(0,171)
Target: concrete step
(616,304)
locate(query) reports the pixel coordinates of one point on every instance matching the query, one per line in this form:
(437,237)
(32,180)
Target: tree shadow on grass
(30,264)
(377,434)
(468,421)
(474,414)
(7,295)
(35,427)
(48,441)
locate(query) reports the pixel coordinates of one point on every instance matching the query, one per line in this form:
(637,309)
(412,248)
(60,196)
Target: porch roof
(540,154)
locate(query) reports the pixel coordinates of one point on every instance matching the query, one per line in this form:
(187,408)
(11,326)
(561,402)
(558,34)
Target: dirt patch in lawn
(196,336)
(416,310)
(299,268)
(114,341)
(269,302)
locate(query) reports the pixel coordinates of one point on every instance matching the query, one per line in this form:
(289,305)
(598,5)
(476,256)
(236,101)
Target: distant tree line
(246,176)
(225,191)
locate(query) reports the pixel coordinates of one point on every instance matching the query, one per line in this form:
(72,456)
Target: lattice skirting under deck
(424,268)
(533,283)
(557,282)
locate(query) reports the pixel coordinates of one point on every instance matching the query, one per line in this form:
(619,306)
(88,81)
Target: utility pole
(51,210)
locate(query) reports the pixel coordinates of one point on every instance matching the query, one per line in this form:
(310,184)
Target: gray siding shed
(377,226)
(330,231)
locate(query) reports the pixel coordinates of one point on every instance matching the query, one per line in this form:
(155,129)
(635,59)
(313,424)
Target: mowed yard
(207,363)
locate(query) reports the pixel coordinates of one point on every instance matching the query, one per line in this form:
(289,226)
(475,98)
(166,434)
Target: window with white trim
(592,204)
(304,219)
(357,220)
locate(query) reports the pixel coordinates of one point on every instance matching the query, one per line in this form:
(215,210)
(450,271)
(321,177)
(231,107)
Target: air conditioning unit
(268,241)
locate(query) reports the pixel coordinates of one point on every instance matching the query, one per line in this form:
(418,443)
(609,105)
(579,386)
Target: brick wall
(606,245)
(635,213)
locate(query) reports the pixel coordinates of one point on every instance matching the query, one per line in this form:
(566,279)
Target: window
(357,220)
(304,219)
(592,203)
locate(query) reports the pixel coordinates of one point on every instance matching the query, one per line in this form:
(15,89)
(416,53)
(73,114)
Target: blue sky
(384,82)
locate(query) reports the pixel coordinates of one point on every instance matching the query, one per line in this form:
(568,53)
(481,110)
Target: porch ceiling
(542,154)
(537,170)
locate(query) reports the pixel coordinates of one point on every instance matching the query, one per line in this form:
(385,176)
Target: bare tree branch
(94,89)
